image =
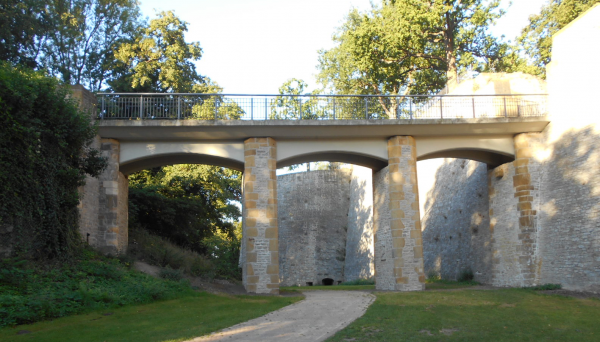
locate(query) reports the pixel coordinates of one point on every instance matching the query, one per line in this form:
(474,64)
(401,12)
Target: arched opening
(325,218)
(454,195)
(185,213)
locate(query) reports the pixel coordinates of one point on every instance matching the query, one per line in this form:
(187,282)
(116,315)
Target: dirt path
(315,318)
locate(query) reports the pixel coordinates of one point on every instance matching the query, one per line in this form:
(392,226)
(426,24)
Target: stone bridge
(390,147)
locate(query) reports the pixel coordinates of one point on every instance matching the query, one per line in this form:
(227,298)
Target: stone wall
(325,226)
(456,234)
(545,206)
(359,240)
(384,261)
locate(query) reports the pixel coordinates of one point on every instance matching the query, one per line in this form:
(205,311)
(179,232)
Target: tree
(185,203)
(21,25)
(411,47)
(44,157)
(296,107)
(82,34)
(159,60)
(535,41)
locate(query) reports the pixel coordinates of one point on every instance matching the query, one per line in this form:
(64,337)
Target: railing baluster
(366,108)
(251,108)
(473,100)
(141,107)
(441,107)
(178,107)
(266,116)
(505,113)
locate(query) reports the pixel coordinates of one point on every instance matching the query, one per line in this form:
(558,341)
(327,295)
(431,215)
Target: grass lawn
(476,315)
(172,320)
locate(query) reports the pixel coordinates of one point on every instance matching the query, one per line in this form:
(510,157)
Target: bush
(44,141)
(171,274)
(157,251)
(31,292)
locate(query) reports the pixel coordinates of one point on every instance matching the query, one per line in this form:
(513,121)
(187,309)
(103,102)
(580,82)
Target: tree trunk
(452,71)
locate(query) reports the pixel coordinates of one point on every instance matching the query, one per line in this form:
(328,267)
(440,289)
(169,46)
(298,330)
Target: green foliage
(157,251)
(535,41)
(185,203)
(411,47)
(369,281)
(159,59)
(31,292)
(45,156)
(20,23)
(544,287)
(171,274)
(295,107)
(224,253)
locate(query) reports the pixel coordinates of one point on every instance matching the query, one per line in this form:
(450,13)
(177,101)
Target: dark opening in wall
(309,283)
(327,281)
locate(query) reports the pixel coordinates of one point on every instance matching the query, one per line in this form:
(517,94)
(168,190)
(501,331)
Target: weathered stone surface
(260,267)
(406,248)
(313,222)
(456,234)
(384,262)
(359,240)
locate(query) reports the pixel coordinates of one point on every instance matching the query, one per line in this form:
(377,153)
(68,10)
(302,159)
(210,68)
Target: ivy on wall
(44,156)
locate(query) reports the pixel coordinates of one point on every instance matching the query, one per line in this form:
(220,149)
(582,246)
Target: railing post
(334,108)
(473,100)
(102,112)
(441,108)
(397,109)
(178,107)
(410,103)
(505,113)
(141,107)
(366,108)
(216,108)
(266,115)
(299,108)
(251,108)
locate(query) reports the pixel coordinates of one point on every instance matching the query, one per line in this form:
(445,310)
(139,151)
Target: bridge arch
(367,153)
(492,150)
(137,156)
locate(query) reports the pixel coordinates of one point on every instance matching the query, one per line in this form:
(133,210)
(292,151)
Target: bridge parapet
(185,106)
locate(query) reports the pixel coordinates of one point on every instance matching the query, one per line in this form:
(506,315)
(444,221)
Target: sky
(254,46)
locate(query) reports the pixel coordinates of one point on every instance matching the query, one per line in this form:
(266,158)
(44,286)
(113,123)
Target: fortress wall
(313,219)
(455,218)
(561,243)
(359,240)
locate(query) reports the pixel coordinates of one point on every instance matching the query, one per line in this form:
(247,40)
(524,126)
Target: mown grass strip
(475,315)
(171,320)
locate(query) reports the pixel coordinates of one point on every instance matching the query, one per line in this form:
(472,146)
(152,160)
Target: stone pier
(260,232)
(398,241)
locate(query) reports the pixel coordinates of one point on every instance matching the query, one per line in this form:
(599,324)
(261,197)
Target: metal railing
(178,106)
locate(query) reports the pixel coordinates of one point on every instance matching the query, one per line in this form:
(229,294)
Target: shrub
(31,292)
(171,274)
(44,141)
(157,251)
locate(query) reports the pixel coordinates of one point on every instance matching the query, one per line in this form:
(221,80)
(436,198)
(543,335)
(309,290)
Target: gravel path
(315,318)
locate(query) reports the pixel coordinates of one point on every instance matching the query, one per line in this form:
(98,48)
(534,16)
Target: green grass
(330,288)
(440,284)
(476,315)
(172,320)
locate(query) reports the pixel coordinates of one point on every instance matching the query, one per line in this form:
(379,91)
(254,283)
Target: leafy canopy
(411,47)
(535,41)
(185,203)
(159,60)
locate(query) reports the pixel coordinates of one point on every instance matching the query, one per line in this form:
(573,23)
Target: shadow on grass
(173,320)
